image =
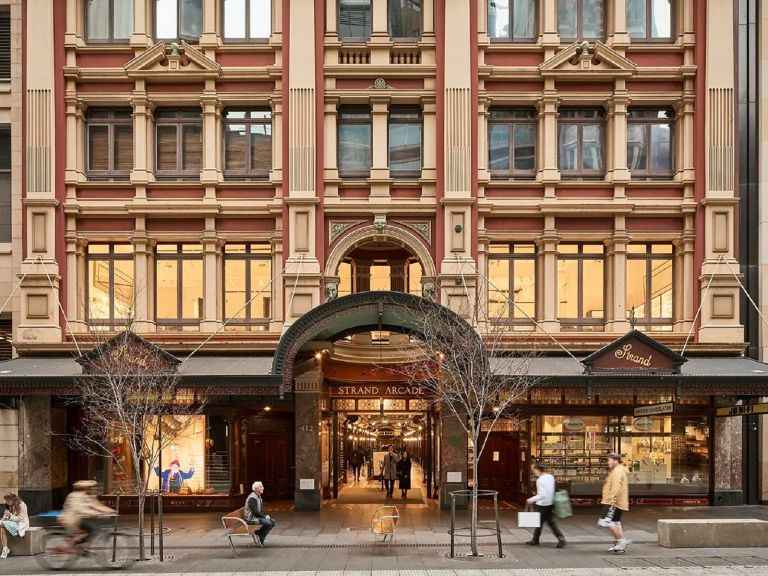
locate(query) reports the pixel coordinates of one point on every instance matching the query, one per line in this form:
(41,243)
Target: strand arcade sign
(392,397)
(378,391)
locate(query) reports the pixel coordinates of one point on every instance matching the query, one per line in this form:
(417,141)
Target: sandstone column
(453,457)
(35,453)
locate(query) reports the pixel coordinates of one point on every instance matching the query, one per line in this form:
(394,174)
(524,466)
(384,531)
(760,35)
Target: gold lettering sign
(625,353)
(377,391)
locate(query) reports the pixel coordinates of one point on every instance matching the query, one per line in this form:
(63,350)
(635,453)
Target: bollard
(114,526)
(151,523)
(160,522)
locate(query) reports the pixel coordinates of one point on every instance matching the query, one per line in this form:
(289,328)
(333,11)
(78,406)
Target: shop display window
(663,454)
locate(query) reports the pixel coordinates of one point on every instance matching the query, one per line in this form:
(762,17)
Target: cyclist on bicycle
(82,510)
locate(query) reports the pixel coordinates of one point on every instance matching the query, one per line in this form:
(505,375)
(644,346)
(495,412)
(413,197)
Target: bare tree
(467,366)
(130,390)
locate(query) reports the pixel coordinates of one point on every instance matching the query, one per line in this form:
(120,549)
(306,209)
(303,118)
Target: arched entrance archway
(316,418)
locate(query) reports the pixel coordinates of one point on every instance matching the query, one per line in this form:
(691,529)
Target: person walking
(14,522)
(356,461)
(544,502)
(615,502)
(389,470)
(255,513)
(404,474)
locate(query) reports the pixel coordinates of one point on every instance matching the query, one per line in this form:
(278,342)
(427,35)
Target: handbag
(529,519)
(562,504)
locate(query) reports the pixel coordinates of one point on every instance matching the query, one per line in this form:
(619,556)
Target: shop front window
(664,455)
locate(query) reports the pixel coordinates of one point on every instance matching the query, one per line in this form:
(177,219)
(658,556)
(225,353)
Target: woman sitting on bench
(14,523)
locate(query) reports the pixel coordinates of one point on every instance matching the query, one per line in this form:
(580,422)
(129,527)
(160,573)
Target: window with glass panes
(109,284)
(247,143)
(649,285)
(109,142)
(650,20)
(650,143)
(247,20)
(580,286)
(108,21)
(247,286)
(178,286)
(512,282)
(581,19)
(405,142)
(178,143)
(581,142)
(178,20)
(6,217)
(512,20)
(405,19)
(354,142)
(512,142)
(354,20)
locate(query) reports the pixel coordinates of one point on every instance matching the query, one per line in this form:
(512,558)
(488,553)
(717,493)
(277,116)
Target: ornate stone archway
(390,233)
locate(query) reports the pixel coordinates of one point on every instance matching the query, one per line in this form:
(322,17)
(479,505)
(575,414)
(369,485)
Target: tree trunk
(142,498)
(474,521)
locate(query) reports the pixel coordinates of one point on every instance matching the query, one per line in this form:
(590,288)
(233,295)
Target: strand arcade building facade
(253,183)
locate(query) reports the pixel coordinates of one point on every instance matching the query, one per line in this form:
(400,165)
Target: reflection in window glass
(354,142)
(581,19)
(517,16)
(650,150)
(109,20)
(234,19)
(512,143)
(661,19)
(636,18)
(567,18)
(178,19)
(354,19)
(592,19)
(247,19)
(580,142)
(649,19)
(110,283)
(404,19)
(404,142)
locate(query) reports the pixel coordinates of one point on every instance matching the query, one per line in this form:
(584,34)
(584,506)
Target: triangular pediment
(128,352)
(171,62)
(634,352)
(585,60)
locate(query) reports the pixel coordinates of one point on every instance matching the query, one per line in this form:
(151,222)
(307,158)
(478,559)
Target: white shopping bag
(528,520)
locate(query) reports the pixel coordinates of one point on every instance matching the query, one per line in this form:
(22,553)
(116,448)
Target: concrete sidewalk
(338,539)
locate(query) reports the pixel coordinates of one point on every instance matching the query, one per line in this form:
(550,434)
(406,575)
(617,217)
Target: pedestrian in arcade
(544,502)
(389,470)
(615,502)
(404,474)
(356,461)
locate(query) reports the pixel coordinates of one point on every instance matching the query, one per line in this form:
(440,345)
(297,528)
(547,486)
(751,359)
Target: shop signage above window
(655,409)
(634,352)
(743,410)
(377,391)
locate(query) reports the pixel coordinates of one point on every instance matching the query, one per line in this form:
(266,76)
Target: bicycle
(111,549)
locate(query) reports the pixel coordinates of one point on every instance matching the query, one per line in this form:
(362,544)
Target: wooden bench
(236,527)
(384,523)
(32,543)
(713,533)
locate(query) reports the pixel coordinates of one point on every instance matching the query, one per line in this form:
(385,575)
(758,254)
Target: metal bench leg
(232,544)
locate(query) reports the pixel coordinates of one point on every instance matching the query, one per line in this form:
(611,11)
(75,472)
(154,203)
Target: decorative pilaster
(308,413)
(143,165)
(549,173)
(616,273)
(618,172)
(379,179)
(619,40)
(546,290)
(211,173)
(550,36)
(211,255)
(144,278)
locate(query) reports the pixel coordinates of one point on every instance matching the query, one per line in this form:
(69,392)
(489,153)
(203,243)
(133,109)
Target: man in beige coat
(389,470)
(615,502)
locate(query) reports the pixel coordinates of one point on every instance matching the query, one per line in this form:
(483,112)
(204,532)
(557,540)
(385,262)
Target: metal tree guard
(466,531)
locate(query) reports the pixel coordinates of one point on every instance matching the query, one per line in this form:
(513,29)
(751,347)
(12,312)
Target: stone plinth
(32,543)
(727,453)
(35,453)
(713,533)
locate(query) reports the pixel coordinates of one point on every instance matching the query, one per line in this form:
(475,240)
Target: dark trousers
(266,526)
(390,486)
(356,472)
(91,527)
(547,515)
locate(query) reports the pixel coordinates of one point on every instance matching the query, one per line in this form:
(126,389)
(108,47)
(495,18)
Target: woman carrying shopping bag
(544,501)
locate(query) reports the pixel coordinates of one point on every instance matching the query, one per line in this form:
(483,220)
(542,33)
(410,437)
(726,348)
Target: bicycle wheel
(114,550)
(59,553)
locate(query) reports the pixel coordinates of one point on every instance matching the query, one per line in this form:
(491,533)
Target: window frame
(356,39)
(512,173)
(404,174)
(179,36)
(510,255)
(404,39)
(647,122)
(580,24)
(511,39)
(6,198)
(111,39)
(247,39)
(648,39)
(248,174)
(354,175)
(111,256)
(248,256)
(649,256)
(178,121)
(179,257)
(110,123)
(580,122)
(580,256)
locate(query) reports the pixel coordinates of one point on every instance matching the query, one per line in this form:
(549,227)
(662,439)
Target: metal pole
(453,520)
(498,527)
(335,454)
(114,527)
(160,522)
(151,523)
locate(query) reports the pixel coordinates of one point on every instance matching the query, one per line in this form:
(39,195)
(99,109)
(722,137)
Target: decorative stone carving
(331,291)
(336,229)
(380,222)
(380,84)
(423,229)
(428,291)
